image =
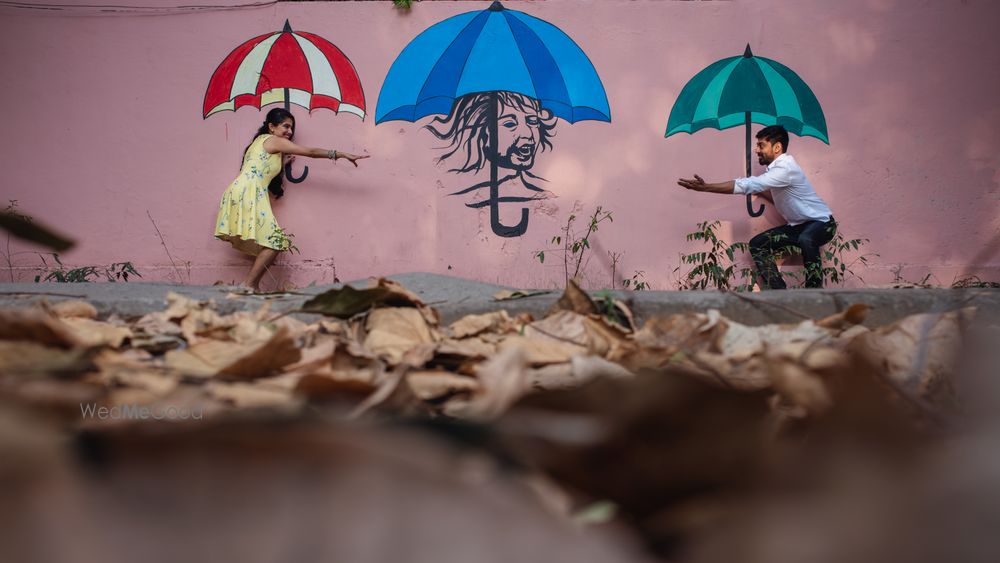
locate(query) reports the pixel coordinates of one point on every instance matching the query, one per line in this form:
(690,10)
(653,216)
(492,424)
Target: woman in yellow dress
(245,218)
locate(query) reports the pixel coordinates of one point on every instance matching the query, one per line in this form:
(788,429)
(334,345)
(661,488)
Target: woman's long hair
(274,117)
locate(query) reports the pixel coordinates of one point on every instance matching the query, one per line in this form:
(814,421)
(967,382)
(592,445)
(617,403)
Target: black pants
(808,236)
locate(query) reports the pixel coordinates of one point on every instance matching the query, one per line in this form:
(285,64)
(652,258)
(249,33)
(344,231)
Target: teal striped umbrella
(743,90)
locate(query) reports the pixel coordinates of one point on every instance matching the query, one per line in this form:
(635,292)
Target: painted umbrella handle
(503,230)
(750,210)
(291,178)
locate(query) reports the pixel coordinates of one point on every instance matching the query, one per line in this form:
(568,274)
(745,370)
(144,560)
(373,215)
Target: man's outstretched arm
(699,185)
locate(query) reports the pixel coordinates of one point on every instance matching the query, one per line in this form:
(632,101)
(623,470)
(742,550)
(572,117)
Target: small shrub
(112,273)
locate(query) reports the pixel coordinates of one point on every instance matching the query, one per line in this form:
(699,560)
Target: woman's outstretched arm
(277,144)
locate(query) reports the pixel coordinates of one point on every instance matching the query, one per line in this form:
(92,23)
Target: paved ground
(455,297)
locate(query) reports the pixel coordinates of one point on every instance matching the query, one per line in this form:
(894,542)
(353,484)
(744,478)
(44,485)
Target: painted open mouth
(525,151)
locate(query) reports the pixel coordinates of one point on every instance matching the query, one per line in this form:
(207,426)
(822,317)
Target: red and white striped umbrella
(292,67)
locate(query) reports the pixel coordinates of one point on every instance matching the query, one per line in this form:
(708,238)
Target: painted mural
(497,81)
(743,90)
(289,67)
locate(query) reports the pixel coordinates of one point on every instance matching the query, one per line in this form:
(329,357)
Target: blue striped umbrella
(743,90)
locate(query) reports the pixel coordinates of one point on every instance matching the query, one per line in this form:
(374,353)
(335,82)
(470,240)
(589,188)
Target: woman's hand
(354,158)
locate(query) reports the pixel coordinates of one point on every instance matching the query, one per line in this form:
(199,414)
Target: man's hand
(698,184)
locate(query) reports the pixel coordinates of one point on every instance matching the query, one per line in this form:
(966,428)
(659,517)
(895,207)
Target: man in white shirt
(810,222)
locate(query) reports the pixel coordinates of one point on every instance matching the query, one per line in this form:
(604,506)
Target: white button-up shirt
(793,195)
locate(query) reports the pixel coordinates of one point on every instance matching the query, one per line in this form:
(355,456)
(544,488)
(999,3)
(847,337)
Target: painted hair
(775,134)
(274,117)
(467,126)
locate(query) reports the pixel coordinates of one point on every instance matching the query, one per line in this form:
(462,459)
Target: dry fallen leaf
(799,386)
(437,385)
(503,378)
(33,359)
(89,332)
(247,395)
(538,352)
(471,325)
(36,326)
(574,299)
(919,352)
(264,360)
(392,332)
(72,308)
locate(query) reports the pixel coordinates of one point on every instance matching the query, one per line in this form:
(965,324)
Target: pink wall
(103,123)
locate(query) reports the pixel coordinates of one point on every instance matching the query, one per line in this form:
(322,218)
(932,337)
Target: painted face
(767,151)
(284,129)
(517,137)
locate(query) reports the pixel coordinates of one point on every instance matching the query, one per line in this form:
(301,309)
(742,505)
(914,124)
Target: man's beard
(513,159)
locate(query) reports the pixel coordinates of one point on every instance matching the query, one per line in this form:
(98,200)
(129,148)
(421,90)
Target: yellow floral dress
(245,218)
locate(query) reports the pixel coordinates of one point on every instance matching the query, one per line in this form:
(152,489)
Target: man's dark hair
(467,127)
(775,134)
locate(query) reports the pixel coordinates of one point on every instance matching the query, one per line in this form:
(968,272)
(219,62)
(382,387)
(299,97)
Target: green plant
(837,263)
(12,210)
(574,246)
(112,273)
(282,240)
(402,4)
(637,283)
(605,302)
(716,267)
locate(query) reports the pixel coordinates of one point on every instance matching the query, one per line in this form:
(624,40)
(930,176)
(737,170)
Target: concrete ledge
(456,297)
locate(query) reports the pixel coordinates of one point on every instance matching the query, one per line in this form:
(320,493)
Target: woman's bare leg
(260,264)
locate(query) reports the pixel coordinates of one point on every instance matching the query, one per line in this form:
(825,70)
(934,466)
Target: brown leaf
(204,359)
(36,326)
(471,325)
(116,369)
(89,332)
(73,308)
(503,378)
(200,323)
(467,348)
(252,395)
(33,359)
(739,342)
(799,386)
(853,315)
(578,371)
(539,352)
(438,385)
(919,352)
(279,351)
(561,326)
(608,340)
(179,306)
(350,387)
(574,299)
(157,322)
(674,332)
(232,361)
(393,396)
(392,332)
